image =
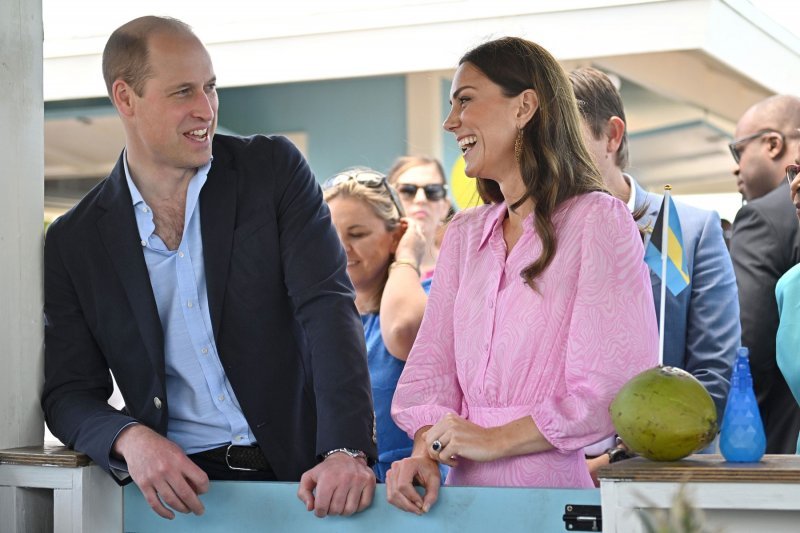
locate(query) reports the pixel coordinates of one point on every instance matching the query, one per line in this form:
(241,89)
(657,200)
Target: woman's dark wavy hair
(555,164)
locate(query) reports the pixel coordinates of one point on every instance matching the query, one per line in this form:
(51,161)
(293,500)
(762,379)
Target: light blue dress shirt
(203,410)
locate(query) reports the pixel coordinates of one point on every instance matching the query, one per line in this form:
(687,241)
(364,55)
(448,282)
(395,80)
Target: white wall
(21,225)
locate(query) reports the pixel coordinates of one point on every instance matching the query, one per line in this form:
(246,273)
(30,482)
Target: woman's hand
(411,246)
(453,437)
(400,479)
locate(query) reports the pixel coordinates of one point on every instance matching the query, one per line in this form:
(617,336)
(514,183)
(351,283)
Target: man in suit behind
(204,273)
(702,322)
(764,245)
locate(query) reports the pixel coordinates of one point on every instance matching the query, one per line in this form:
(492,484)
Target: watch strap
(355,454)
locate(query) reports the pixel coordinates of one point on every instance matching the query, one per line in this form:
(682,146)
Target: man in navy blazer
(204,273)
(702,330)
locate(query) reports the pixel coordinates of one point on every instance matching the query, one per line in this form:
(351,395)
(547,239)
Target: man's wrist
(355,454)
(618,453)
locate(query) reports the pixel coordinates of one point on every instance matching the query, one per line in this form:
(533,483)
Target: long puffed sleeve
(612,332)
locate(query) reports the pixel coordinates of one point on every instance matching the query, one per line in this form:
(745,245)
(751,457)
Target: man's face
(174,120)
(755,173)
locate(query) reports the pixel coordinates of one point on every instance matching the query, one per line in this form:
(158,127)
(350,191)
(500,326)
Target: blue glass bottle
(742,438)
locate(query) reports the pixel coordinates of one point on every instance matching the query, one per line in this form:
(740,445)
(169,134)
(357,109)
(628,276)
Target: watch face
(618,454)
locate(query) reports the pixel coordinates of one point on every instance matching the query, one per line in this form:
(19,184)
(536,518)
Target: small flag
(677,270)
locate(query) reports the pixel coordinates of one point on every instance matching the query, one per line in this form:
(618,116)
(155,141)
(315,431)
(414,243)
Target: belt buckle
(228,461)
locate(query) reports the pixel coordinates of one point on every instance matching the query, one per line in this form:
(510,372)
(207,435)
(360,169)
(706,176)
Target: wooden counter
(84,497)
(737,497)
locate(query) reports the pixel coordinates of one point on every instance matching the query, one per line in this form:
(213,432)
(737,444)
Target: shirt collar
(494,218)
(136,196)
(632,199)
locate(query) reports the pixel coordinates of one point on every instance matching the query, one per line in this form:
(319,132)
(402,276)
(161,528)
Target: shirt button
(238,438)
(180,254)
(145,209)
(204,350)
(144,243)
(157,402)
(491,304)
(189,304)
(221,397)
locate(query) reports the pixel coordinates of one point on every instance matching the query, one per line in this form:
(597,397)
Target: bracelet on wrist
(406,263)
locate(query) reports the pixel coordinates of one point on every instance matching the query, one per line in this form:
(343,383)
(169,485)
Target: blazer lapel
(118,231)
(217,220)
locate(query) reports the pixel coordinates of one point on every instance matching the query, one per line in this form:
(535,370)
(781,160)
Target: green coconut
(664,414)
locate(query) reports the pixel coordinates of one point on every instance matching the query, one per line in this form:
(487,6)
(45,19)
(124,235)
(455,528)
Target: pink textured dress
(492,350)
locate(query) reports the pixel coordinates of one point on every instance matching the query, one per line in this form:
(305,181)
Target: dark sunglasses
(791,173)
(738,144)
(433,191)
(367,178)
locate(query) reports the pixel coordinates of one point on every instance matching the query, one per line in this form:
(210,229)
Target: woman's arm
(403,300)
(454,437)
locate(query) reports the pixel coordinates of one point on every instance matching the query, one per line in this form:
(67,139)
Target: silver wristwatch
(355,454)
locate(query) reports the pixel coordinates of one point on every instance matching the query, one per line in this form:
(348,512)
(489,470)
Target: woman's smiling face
(367,242)
(484,122)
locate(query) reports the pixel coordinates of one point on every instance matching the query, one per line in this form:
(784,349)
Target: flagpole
(664,252)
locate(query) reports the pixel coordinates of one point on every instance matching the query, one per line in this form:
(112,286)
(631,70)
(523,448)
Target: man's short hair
(125,56)
(598,101)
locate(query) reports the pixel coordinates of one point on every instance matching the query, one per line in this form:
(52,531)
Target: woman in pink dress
(542,307)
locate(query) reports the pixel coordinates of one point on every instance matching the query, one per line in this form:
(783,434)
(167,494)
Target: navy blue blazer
(701,324)
(282,309)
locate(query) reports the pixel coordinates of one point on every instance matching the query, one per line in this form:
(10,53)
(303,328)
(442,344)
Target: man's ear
(528,104)
(615,131)
(122,96)
(776,145)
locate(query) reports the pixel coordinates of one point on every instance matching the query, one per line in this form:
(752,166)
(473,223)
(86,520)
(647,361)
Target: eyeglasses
(433,191)
(791,173)
(367,178)
(738,144)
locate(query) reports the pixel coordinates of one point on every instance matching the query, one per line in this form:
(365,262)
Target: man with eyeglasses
(764,245)
(702,322)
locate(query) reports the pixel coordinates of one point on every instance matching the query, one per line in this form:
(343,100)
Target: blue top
(203,412)
(384,371)
(787,341)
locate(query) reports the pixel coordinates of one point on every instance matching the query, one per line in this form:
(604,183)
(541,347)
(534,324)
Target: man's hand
(594,465)
(400,490)
(339,485)
(162,471)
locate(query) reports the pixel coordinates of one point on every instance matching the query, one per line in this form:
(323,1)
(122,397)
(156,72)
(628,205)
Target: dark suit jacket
(282,310)
(765,244)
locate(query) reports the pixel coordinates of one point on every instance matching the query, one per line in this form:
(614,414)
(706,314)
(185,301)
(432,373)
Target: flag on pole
(677,271)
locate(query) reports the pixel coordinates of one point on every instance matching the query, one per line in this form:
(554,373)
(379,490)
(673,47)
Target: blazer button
(157,402)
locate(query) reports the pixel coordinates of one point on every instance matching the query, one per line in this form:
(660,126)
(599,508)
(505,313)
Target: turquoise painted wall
(450,150)
(348,122)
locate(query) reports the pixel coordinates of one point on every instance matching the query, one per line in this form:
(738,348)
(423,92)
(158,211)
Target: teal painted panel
(450,150)
(261,506)
(349,122)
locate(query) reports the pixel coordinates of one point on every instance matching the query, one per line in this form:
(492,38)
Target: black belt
(249,458)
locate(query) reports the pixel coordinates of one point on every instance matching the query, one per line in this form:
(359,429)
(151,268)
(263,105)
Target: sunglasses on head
(791,173)
(367,178)
(433,191)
